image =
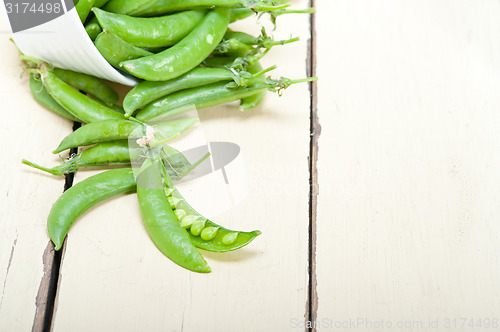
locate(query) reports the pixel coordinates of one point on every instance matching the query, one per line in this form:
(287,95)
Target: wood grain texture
(114,278)
(27,131)
(408,163)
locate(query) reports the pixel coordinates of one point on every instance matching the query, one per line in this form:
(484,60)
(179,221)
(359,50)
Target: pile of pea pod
(184,55)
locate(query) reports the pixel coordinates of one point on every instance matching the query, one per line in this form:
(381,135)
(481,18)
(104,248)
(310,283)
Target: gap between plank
(315,131)
(46,298)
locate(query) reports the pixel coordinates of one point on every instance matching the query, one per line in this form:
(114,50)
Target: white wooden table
(377,192)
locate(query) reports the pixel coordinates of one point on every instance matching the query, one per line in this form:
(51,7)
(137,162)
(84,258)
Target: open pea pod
(205,234)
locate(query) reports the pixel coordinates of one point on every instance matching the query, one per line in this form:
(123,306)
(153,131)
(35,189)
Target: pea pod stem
(42,168)
(256,99)
(207,96)
(115,50)
(119,153)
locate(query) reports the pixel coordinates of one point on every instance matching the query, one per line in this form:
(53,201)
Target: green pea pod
(256,99)
(162,224)
(89,84)
(219,62)
(186,54)
(116,50)
(83,9)
(200,97)
(104,154)
(176,163)
(100,3)
(76,103)
(146,92)
(150,32)
(234,48)
(42,96)
(211,95)
(238,14)
(119,153)
(263,41)
(114,130)
(93,29)
(217,242)
(82,196)
(127,6)
(161,7)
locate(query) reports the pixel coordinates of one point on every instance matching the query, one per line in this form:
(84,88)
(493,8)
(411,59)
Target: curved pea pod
(162,224)
(256,99)
(223,240)
(104,154)
(150,32)
(83,9)
(113,130)
(234,48)
(147,92)
(89,84)
(42,96)
(82,196)
(200,97)
(116,50)
(93,29)
(100,3)
(76,103)
(186,54)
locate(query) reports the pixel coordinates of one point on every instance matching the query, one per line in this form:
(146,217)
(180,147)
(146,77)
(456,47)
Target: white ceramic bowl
(61,41)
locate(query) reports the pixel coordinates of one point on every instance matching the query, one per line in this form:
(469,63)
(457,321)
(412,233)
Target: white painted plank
(27,131)
(408,164)
(113,277)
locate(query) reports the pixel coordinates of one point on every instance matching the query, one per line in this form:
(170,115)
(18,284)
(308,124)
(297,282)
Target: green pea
(208,233)
(197,227)
(229,238)
(188,220)
(180,214)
